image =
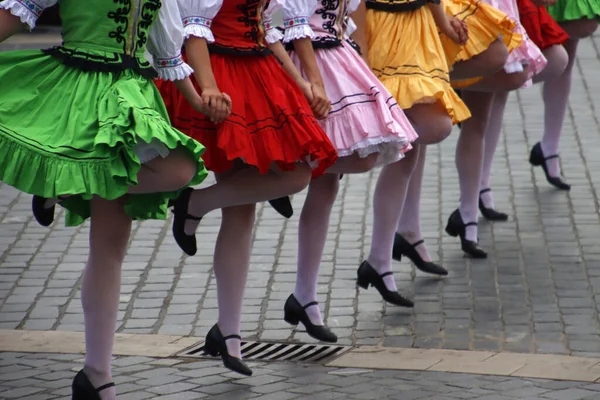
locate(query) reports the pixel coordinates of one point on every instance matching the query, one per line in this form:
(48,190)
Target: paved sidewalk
(48,376)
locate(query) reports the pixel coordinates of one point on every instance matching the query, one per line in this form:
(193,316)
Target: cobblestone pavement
(535,293)
(48,376)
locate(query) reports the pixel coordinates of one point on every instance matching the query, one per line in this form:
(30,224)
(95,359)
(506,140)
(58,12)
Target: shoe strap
(471,224)
(551,157)
(108,385)
(417,243)
(487,190)
(188,216)
(238,337)
(312,303)
(386,274)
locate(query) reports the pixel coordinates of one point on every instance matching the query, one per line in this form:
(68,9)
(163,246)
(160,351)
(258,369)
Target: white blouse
(165,38)
(197,17)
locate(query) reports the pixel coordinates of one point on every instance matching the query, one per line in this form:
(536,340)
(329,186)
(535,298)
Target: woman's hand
(217,105)
(320,105)
(456,30)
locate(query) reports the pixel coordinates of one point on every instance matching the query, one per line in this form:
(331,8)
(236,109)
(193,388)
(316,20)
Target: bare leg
(501,81)
(312,234)
(100,291)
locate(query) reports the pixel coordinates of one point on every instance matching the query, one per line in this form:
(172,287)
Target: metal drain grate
(271,351)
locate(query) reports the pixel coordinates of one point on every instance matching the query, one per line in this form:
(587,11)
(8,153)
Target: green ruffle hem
(572,10)
(68,131)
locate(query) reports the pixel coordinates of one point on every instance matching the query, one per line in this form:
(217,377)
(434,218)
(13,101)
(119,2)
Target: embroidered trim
(32,6)
(169,62)
(195,20)
(288,23)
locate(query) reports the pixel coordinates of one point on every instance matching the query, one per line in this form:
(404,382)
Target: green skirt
(572,10)
(66,131)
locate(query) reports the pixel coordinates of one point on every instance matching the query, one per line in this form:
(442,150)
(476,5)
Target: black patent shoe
(44,216)
(294,313)
(215,345)
(283,206)
(403,248)
(537,159)
(187,243)
(366,275)
(456,227)
(489,213)
(84,390)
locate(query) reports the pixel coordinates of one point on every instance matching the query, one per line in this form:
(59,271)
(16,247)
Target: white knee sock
(100,292)
(556,97)
(388,200)
(231,264)
(409,225)
(312,234)
(491,139)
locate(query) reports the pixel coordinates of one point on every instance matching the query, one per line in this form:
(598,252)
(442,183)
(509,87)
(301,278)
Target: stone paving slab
(545,366)
(537,292)
(48,377)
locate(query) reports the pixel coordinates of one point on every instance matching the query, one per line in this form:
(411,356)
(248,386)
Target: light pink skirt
(364,118)
(528,53)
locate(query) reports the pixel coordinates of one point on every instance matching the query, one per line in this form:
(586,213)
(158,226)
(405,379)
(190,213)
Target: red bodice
(238,26)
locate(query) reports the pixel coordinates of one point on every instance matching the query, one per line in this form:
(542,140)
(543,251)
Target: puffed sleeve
(197,16)
(296,15)
(272,33)
(165,42)
(28,10)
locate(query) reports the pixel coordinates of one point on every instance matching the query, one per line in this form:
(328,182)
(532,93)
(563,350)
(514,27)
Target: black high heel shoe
(283,206)
(366,275)
(187,243)
(456,227)
(84,390)
(489,213)
(403,248)
(44,216)
(537,159)
(294,313)
(215,345)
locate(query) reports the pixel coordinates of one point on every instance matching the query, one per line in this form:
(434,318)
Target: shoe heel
(451,230)
(362,281)
(291,318)
(211,348)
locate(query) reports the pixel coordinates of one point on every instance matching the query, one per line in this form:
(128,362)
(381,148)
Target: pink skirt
(528,53)
(364,118)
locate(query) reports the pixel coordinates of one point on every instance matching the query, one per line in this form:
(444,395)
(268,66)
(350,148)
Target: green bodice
(106,35)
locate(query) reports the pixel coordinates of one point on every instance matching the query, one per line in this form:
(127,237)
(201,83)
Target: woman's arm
(449,26)
(9,25)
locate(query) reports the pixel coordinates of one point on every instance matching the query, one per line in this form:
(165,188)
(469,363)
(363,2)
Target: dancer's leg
(312,234)
(409,225)
(100,291)
(246,186)
(491,138)
(469,157)
(231,263)
(484,64)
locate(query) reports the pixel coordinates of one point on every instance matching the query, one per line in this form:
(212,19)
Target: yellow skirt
(406,54)
(486,24)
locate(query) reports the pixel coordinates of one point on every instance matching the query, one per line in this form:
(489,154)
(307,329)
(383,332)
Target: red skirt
(543,30)
(270,122)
